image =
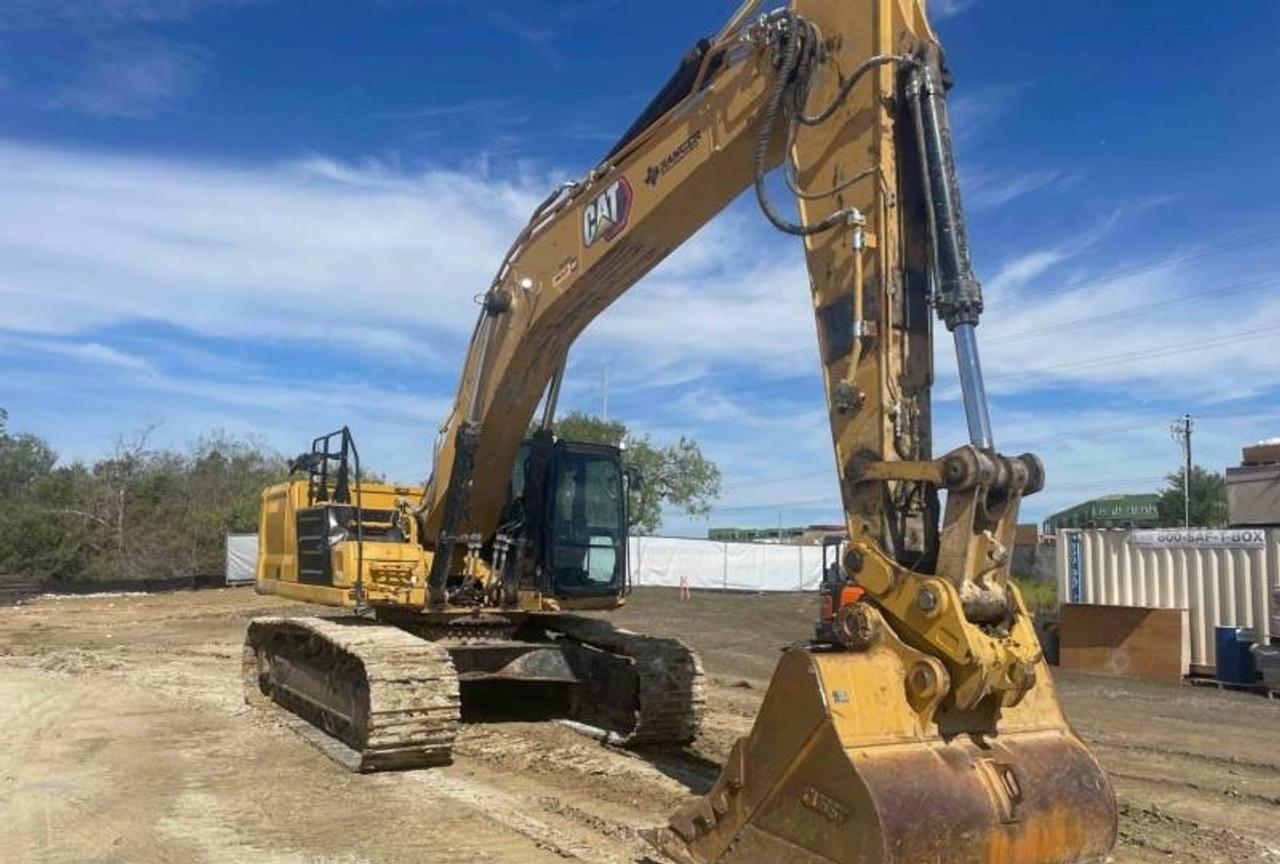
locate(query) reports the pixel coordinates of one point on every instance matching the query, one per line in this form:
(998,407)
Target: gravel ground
(126,740)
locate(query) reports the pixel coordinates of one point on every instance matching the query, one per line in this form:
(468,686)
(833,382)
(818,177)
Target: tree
(34,494)
(675,474)
(1208,499)
(23,460)
(137,513)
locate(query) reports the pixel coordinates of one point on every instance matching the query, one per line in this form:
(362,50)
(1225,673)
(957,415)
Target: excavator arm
(931,732)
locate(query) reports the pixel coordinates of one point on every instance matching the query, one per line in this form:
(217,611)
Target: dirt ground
(126,740)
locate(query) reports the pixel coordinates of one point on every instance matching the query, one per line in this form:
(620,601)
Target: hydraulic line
(795,71)
(847,85)
(787,65)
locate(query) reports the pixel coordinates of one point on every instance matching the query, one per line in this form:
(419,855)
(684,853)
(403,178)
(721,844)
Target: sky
(270,217)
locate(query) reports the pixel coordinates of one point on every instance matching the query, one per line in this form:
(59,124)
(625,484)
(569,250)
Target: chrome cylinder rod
(972,387)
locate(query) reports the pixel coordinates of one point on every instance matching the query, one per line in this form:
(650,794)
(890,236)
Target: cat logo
(606,216)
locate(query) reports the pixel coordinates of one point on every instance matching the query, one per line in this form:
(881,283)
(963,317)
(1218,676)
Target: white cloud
(294,251)
(36,14)
(1151,331)
(974,110)
(940,9)
(348,260)
(114,393)
(383,260)
(93,353)
(989,191)
(1021,270)
(131,78)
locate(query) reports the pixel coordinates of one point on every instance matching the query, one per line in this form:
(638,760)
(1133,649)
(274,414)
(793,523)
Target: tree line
(143,512)
(139,512)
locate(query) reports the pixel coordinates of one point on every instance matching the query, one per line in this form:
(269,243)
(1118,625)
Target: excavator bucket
(853,759)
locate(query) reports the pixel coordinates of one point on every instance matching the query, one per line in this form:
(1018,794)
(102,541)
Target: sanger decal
(567,268)
(674,158)
(606,217)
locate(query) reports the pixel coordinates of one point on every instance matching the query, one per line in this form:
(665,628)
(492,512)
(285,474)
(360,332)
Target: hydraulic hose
(795,71)
(788,63)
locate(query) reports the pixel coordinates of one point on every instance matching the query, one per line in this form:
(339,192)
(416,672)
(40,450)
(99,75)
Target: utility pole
(1182,434)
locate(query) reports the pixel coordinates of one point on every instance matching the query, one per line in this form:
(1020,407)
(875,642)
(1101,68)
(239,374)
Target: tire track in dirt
(34,724)
(1150,828)
(558,828)
(582,770)
(1240,827)
(1205,759)
(1214,806)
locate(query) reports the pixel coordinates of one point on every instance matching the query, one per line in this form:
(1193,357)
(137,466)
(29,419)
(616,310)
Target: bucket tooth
(846,764)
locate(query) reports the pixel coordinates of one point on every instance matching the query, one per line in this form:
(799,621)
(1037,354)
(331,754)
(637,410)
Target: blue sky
(270,216)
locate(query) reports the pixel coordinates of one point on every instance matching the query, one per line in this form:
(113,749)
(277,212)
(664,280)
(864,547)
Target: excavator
(921,726)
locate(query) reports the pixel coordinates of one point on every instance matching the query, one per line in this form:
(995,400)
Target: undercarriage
(391,695)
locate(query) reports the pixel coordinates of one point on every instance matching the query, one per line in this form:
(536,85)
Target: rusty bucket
(847,763)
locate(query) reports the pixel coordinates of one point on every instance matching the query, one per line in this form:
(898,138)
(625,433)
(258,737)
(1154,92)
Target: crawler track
(670,691)
(391,698)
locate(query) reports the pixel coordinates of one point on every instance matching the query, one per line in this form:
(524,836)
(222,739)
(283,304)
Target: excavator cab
(569,499)
(586,530)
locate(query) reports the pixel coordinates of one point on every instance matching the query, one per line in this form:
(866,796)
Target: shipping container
(1223,578)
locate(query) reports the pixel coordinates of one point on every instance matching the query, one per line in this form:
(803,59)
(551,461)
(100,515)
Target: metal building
(1109,511)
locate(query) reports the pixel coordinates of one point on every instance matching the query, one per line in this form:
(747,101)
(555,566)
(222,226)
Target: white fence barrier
(676,561)
(668,561)
(242,558)
(1223,579)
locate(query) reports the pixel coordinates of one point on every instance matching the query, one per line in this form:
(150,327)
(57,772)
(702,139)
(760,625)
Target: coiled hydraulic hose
(799,45)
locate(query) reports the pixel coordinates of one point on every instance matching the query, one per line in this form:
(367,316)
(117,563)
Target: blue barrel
(1235,661)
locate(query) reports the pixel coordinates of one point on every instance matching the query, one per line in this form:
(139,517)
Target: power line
(1084,486)
(1164,351)
(1034,443)
(1108,276)
(1078,486)
(1098,431)
(773,481)
(1132,311)
(806,502)
(1092,432)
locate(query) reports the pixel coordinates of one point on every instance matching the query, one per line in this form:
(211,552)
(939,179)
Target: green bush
(137,513)
(1039,595)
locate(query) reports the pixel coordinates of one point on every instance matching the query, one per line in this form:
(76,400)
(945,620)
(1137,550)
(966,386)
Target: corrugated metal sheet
(1218,586)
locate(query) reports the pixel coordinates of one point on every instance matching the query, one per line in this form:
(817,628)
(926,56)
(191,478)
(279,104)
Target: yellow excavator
(922,725)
